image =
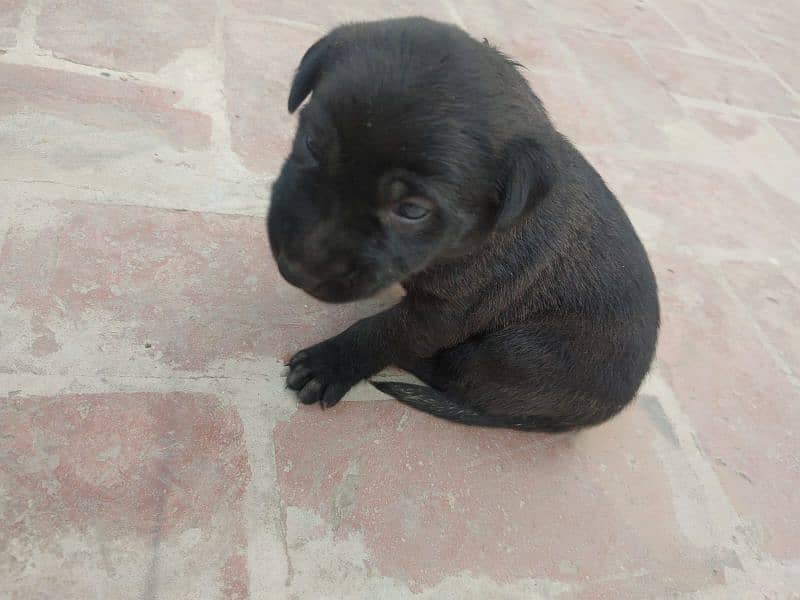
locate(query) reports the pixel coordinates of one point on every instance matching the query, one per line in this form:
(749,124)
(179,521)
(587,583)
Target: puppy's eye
(312,147)
(410,211)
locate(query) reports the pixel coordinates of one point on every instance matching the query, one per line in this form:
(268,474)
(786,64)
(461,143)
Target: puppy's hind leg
(429,370)
(434,399)
(541,377)
(431,401)
(436,372)
(450,406)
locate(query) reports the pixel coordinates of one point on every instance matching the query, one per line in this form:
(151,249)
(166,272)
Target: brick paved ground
(147,445)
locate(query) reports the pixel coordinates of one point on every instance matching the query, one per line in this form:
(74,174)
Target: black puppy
(424,158)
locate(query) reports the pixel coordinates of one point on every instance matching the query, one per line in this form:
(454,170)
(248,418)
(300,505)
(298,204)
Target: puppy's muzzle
(297,275)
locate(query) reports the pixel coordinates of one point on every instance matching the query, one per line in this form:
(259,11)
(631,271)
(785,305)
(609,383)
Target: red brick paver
(10,12)
(187,290)
(148,447)
(578,508)
(128,36)
(709,79)
(742,405)
(155,481)
(119,105)
(257,78)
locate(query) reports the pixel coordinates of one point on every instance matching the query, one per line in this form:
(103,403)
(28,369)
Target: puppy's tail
(436,403)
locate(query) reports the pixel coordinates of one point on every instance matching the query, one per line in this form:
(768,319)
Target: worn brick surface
(771,297)
(625,84)
(567,99)
(624,18)
(116,139)
(423,494)
(10,12)
(790,130)
(133,286)
(719,81)
(148,448)
(260,62)
(100,101)
(743,407)
(329,14)
(701,28)
(730,127)
(775,19)
(129,36)
(696,212)
(151,478)
(518,29)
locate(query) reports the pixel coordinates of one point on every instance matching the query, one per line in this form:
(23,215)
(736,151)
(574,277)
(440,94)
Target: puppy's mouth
(339,291)
(348,286)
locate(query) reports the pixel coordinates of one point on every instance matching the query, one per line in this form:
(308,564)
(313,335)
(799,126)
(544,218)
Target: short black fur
(424,158)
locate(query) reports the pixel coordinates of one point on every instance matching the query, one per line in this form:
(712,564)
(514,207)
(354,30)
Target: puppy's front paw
(319,374)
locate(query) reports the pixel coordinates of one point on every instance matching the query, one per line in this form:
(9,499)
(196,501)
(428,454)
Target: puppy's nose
(296,274)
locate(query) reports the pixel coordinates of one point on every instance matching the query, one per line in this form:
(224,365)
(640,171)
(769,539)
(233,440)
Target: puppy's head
(417,144)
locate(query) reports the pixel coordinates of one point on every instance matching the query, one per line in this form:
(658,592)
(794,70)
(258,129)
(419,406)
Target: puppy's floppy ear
(309,71)
(529,174)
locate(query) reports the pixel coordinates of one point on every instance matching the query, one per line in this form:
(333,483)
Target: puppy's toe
(298,358)
(333,393)
(299,376)
(312,392)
